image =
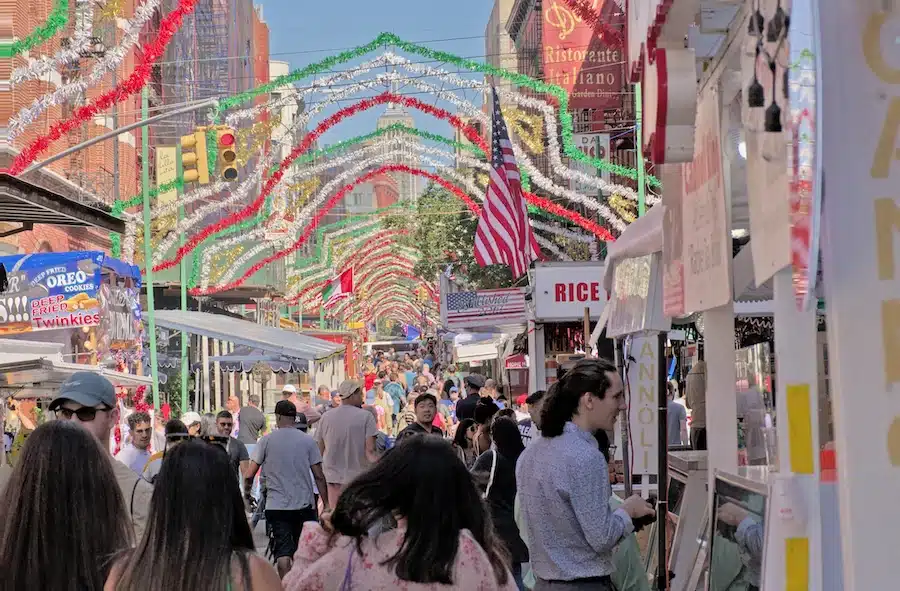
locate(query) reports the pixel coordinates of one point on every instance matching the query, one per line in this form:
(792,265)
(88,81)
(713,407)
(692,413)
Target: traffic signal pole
(184,275)
(148,247)
(116,132)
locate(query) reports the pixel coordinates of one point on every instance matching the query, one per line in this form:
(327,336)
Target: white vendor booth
(740,158)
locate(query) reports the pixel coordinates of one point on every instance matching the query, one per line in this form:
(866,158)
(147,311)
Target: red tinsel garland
(381,236)
(589,16)
(546,204)
(320,213)
(386,97)
(591,226)
(131,85)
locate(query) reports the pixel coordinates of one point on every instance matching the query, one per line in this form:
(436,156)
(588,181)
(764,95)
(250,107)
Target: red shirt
(368,381)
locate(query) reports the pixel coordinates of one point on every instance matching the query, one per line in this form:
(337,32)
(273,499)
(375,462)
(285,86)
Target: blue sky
(298,30)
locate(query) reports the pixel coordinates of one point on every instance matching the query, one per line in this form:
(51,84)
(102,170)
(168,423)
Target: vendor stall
(86,301)
(566,297)
(729,121)
(324,358)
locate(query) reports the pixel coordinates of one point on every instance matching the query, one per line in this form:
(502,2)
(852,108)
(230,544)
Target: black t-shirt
(237,453)
(251,421)
(465,408)
(416,429)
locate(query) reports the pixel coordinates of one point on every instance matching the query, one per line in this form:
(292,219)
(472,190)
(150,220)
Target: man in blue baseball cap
(89,399)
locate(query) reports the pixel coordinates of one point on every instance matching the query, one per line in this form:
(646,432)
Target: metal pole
(639,148)
(119,131)
(662,483)
(322,317)
(115,150)
(148,248)
(626,451)
(179,171)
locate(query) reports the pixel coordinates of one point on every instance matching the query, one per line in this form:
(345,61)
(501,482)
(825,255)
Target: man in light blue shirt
(564,486)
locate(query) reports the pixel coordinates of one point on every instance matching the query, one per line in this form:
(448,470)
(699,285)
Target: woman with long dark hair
(497,466)
(197,535)
(62,517)
(463,442)
(444,537)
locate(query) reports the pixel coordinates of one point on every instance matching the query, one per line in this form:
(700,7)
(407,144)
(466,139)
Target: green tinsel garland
(389,39)
(56,20)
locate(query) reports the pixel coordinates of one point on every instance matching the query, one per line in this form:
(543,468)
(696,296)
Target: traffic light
(193,157)
(227,155)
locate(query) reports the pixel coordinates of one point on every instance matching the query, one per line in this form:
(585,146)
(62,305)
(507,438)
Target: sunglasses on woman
(85,414)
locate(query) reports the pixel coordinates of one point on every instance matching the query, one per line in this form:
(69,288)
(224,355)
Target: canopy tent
(243,358)
(241,332)
(480,351)
(32,369)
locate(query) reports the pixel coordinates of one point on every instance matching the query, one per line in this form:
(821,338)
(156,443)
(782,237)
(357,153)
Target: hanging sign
(49,291)
(706,253)
(643,416)
(121,326)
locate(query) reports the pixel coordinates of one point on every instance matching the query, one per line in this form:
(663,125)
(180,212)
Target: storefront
(566,298)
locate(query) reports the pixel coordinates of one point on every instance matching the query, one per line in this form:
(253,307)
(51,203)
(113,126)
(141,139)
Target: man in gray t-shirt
(288,455)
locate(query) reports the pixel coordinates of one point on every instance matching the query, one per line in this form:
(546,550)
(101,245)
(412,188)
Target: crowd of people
(415,477)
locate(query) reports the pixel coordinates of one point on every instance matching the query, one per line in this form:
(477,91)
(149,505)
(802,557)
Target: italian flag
(338,288)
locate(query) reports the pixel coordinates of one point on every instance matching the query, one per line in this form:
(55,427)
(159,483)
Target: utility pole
(179,171)
(639,149)
(148,248)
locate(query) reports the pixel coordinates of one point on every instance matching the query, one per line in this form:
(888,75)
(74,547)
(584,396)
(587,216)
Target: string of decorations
(259,233)
(151,52)
(303,146)
(314,205)
(111,10)
(384,245)
(320,213)
(565,233)
(549,114)
(549,245)
(340,146)
(389,39)
(378,147)
(588,14)
(70,91)
(56,20)
(80,42)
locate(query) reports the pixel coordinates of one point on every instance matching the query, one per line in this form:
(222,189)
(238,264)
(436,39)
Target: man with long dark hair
(564,486)
(289,456)
(89,399)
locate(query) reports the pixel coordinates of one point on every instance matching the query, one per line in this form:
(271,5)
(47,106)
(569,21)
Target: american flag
(504,235)
(466,309)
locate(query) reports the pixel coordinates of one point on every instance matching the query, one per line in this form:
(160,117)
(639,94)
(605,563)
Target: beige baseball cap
(349,387)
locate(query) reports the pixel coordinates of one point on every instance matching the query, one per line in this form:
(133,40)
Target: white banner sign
(768,196)
(706,243)
(860,80)
(563,290)
(643,419)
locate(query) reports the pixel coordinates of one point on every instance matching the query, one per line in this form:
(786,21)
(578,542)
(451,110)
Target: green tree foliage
(443,231)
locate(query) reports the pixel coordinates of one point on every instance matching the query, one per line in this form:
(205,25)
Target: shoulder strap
(134,490)
(490,483)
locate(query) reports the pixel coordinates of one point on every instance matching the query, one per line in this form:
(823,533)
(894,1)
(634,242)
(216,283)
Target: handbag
(490,483)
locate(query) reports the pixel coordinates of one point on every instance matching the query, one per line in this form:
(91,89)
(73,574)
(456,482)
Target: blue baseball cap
(86,388)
